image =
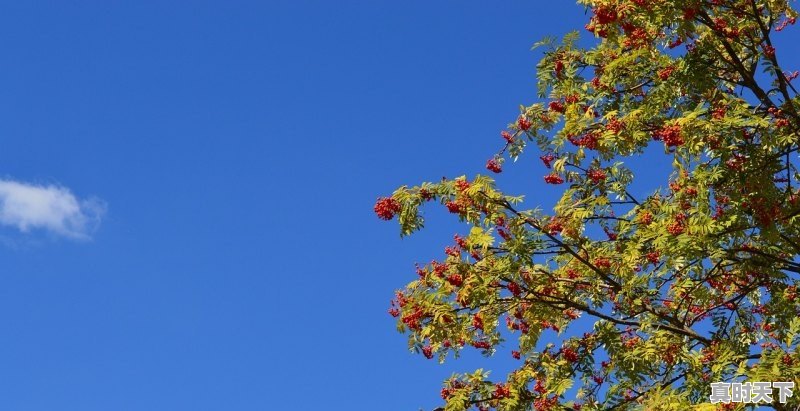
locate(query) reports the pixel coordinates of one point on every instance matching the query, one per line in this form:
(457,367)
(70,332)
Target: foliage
(695,283)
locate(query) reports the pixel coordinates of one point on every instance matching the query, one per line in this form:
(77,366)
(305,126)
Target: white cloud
(51,208)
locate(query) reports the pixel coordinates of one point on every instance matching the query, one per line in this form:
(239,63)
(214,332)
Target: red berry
(481,344)
(556,106)
(553,179)
(665,73)
(523,123)
(501,391)
(455,279)
(596,175)
(602,262)
(454,207)
(514,288)
(515,355)
(477,322)
(559,68)
(386,208)
(547,159)
(462,185)
(493,166)
(670,135)
(427,351)
(605,15)
(569,354)
(675,228)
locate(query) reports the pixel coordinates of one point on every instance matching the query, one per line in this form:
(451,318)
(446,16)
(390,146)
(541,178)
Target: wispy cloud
(29,207)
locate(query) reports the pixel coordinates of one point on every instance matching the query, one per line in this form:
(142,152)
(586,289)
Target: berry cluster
(553,179)
(386,208)
(556,106)
(597,175)
(523,123)
(493,166)
(588,140)
(670,135)
(665,73)
(569,354)
(548,159)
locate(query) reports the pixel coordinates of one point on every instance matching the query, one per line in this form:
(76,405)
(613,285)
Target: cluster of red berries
(597,175)
(427,351)
(645,218)
(553,179)
(737,162)
(653,257)
(605,15)
(597,84)
(522,325)
(548,324)
(439,269)
(483,345)
(514,288)
(556,106)
(665,73)
(769,51)
(569,354)
(493,166)
(477,322)
(501,391)
(386,208)
(507,136)
(545,403)
(791,293)
(615,125)
(455,279)
(636,37)
(559,68)
(523,123)
(547,159)
(413,319)
(588,140)
(515,354)
(455,207)
(554,226)
(675,228)
(571,313)
(670,135)
(722,26)
(602,262)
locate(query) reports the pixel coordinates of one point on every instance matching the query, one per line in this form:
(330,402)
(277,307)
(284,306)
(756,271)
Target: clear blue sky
(238,147)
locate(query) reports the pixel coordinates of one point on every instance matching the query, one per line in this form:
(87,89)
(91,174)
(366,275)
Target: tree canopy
(694,283)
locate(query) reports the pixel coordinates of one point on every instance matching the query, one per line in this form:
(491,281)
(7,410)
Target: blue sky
(231,153)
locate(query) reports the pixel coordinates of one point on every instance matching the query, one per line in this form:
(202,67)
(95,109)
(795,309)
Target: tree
(694,284)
